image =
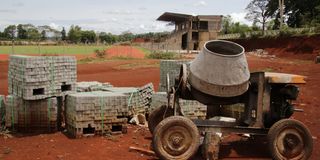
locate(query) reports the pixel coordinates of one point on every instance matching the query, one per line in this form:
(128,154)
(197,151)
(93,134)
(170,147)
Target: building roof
(174,17)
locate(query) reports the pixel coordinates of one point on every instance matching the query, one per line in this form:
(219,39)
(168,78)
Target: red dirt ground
(124,51)
(139,72)
(58,146)
(286,47)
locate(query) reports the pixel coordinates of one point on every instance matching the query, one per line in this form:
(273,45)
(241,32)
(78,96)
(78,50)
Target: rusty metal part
(176,138)
(210,146)
(220,69)
(227,127)
(284,78)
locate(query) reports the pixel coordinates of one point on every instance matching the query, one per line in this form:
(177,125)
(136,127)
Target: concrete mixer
(219,77)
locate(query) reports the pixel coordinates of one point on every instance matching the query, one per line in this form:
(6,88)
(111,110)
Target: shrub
(100,53)
(162,55)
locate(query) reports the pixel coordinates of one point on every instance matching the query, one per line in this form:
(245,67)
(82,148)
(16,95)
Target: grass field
(68,49)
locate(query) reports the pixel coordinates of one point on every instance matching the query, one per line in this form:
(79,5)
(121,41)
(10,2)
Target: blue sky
(137,16)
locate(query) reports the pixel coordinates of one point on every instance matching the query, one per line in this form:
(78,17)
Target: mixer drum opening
(224,48)
(220,69)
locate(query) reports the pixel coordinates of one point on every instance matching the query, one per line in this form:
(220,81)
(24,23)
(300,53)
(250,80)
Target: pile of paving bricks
(92,86)
(39,77)
(97,112)
(29,116)
(138,98)
(105,110)
(37,85)
(192,109)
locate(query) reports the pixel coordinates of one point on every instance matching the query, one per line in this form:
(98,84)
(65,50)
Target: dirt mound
(124,51)
(305,48)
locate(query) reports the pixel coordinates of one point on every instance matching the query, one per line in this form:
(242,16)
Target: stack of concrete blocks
(2,113)
(171,67)
(97,112)
(35,83)
(138,98)
(192,109)
(92,86)
(39,77)
(28,116)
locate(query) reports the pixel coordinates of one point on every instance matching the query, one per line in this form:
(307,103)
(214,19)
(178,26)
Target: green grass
(68,49)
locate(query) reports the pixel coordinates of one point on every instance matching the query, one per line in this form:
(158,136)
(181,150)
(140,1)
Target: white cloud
(200,3)
(55,26)
(240,17)
(7,11)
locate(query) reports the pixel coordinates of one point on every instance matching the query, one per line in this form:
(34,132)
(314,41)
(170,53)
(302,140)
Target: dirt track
(139,72)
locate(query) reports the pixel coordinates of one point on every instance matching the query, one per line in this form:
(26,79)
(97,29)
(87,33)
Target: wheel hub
(176,140)
(290,144)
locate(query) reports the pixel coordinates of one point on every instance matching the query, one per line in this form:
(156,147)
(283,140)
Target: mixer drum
(221,69)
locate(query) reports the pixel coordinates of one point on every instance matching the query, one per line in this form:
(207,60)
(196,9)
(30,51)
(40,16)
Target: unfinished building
(191,32)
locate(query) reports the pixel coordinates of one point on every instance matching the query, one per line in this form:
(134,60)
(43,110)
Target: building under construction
(191,32)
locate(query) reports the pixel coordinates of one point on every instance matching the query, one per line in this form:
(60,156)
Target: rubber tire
(281,125)
(165,126)
(156,116)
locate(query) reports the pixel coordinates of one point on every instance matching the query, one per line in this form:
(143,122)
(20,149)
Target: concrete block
(39,77)
(191,108)
(31,116)
(92,86)
(172,67)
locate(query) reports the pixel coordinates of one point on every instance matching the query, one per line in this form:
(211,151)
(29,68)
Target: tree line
(275,15)
(75,34)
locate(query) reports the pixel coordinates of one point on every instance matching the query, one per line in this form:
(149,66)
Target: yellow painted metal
(273,77)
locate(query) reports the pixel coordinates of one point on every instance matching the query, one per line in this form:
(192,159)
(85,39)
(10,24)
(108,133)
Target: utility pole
(281,7)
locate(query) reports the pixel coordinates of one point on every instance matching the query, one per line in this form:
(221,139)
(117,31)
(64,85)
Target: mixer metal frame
(257,106)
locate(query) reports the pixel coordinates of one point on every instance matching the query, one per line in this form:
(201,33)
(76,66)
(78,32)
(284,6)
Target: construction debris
(39,77)
(142,150)
(261,53)
(317,59)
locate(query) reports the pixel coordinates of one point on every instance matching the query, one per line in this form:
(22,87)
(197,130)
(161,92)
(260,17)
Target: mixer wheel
(176,138)
(290,139)
(157,115)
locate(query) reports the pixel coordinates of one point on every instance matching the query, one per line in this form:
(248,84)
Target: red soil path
(124,51)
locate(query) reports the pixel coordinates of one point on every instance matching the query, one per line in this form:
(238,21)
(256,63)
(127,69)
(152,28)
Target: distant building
(191,32)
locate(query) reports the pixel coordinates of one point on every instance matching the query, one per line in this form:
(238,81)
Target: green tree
(107,37)
(299,13)
(257,12)
(226,24)
(43,35)
(74,34)
(10,31)
(126,36)
(63,34)
(88,37)
(22,33)
(33,34)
